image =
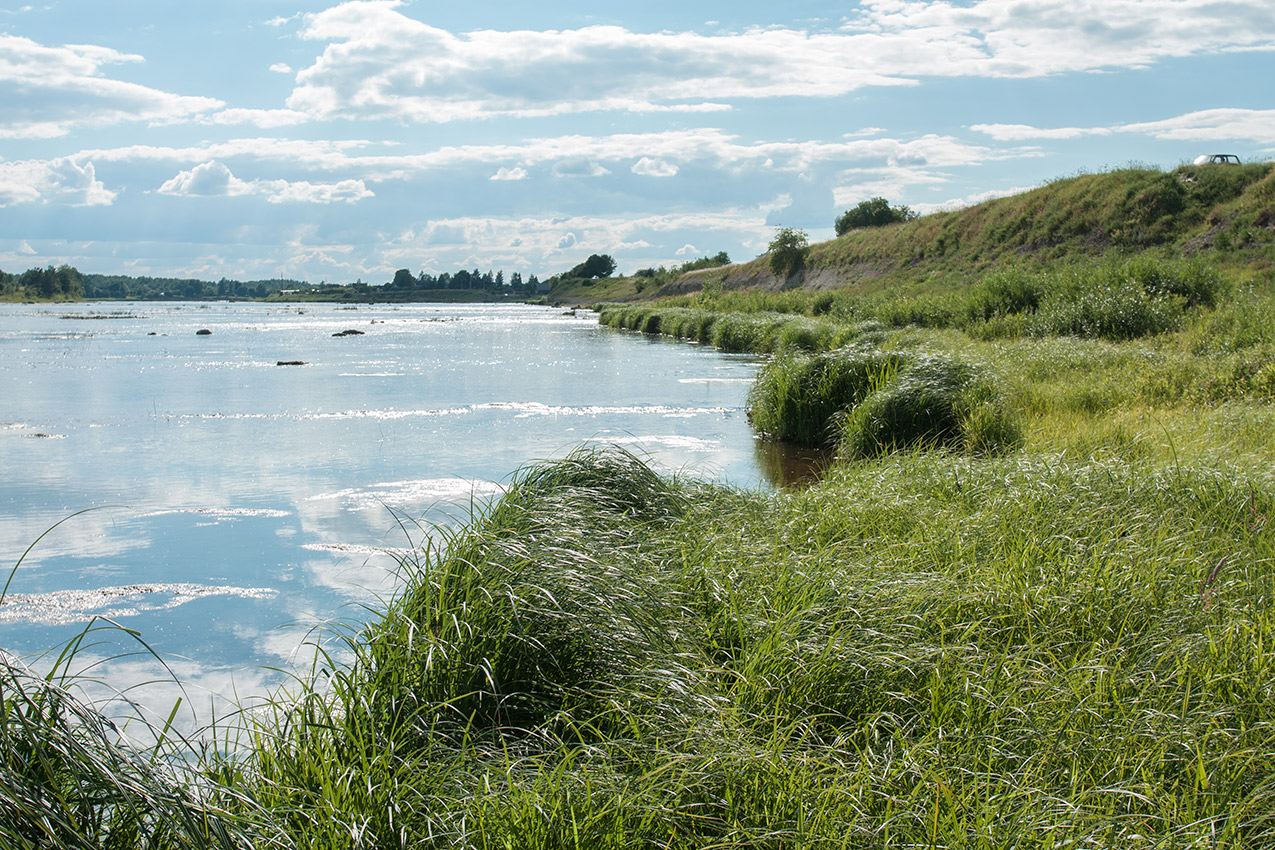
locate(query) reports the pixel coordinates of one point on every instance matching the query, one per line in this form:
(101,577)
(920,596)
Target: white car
(1216,159)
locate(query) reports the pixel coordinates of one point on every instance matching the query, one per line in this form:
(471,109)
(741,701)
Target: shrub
(1193,280)
(788,251)
(874,212)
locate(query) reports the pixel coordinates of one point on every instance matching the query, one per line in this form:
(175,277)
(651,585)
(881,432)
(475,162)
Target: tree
(598,265)
(403,279)
(874,212)
(788,251)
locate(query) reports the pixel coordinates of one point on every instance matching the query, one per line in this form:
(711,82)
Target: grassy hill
(1226,212)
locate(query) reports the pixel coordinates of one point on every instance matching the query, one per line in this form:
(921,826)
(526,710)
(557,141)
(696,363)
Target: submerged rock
(203,332)
(291,363)
(350,332)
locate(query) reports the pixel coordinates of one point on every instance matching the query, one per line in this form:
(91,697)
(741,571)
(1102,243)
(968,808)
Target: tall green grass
(867,400)
(921,651)
(71,778)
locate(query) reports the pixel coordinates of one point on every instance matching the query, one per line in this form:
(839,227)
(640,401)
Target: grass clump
(936,402)
(797,397)
(866,400)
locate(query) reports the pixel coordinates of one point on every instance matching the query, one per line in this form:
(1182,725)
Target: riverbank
(1059,640)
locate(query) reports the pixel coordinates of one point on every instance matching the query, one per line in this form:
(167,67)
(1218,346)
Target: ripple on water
(63,607)
(402,493)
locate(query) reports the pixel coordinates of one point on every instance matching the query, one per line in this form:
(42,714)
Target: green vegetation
(660,276)
(1226,214)
(68,781)
(47,284)
(874,212)
(1027,606)
(787,252)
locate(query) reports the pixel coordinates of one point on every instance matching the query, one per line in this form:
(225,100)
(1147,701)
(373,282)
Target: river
(223,506)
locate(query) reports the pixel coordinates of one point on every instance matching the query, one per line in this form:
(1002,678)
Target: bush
(1193,280)
(874,212)
(788,251)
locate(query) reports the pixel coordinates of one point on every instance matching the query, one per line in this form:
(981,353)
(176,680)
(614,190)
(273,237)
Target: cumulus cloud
(687,250)
(209,179)
(505,173)
(301,191)
(64,180)
(1252,125)
(379,62)
(647,167)
(567,241)
(45,92)
(281,68)
(572,155)
(969,200)
(214,179)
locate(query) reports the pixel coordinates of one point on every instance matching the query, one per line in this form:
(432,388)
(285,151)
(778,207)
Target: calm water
(237,503)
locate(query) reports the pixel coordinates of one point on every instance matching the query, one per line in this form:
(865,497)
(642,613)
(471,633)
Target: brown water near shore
(786,465)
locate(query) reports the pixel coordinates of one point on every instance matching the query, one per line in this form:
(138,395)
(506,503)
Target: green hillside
(1224,212)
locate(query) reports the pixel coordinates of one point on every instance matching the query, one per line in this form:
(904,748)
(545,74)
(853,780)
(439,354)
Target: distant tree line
(63,283)
(125,287)
(494,283)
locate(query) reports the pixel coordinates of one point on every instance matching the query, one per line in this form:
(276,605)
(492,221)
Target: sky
(327,141)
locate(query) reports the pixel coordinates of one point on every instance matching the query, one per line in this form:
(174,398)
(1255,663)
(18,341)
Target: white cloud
(1251,125)
(264,118)
(344,191)
(647,167)
(687,250)
(515,173)
(572,155)
(45,92)
(209,179)
(379,62)
(65,180)
(281,68)
(214,179)
(1247,125)
(969,200)
(567,241)
(26,250)
(1024,132)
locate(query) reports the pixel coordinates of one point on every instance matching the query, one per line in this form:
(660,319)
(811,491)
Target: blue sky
(341,141)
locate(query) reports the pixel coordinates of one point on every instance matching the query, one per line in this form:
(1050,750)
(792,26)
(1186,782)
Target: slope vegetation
(1227,211)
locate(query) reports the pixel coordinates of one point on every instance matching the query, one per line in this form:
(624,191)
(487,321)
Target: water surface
(233,503)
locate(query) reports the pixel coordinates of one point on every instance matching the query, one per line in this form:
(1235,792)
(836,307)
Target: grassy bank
(926,651)
(1034,650)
